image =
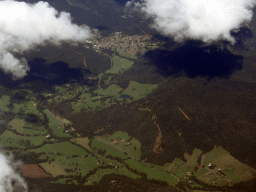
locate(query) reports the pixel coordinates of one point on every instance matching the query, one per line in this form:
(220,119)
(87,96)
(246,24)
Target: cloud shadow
(195,59)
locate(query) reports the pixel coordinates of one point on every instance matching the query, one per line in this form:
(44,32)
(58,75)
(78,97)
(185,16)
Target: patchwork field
(33,170)
(60,154)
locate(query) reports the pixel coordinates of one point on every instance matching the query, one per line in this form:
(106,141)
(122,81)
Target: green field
(5,98)
(87,105)
(193,159)
(95,178)
(66,181)
(17,124)
(110,150)
(124,142)
(124,171)
(201,172)
(138,90)
(126,55)
(64,148)
(119,65)
(151,173)
(76,165)
(61,157)
(23,127)
(103,99)
(34,130)
(55,126)
(53,169)
(84,142)
(112,90)
(4,102)
(233,175)
(217,152)
(60,89)
(119,171)
(10,139)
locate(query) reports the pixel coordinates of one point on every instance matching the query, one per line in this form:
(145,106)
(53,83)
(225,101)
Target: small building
(211,166)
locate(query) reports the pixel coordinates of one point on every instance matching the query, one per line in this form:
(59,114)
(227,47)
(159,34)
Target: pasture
(84,142)
(138,90)
(53,169)
(110,150)
(55,126)
(80,163)
(17,124)
(124,142)
(217,152)
(95,178)
(126,55)
(124,171)
(151,173)
(63,148)
(5,98)
(75,165)
(10,139)
(112,90)
(234,169)
(177,167)
(120,170)
(103,99)
(119,65)
(201,172)
(34,129)
(5,102)
(23,127)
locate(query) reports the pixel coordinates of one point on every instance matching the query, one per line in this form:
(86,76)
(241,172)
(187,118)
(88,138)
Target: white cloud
(24,25)
(10,180)
(206,20)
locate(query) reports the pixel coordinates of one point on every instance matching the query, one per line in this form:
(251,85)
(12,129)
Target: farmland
(102,98)
(123,142)
(138,90)
(151,172)
(55,126)
(108,150)
(41,134)
(119,65)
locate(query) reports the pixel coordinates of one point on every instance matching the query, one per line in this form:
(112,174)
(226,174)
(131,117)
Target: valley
(59,131)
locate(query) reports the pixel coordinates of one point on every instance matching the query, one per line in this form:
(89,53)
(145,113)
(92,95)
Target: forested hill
(105,15)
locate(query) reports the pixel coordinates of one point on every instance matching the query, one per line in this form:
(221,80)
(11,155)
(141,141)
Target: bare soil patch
(33,170)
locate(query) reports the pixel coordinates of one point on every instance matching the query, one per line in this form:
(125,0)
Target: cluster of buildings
(123,43)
